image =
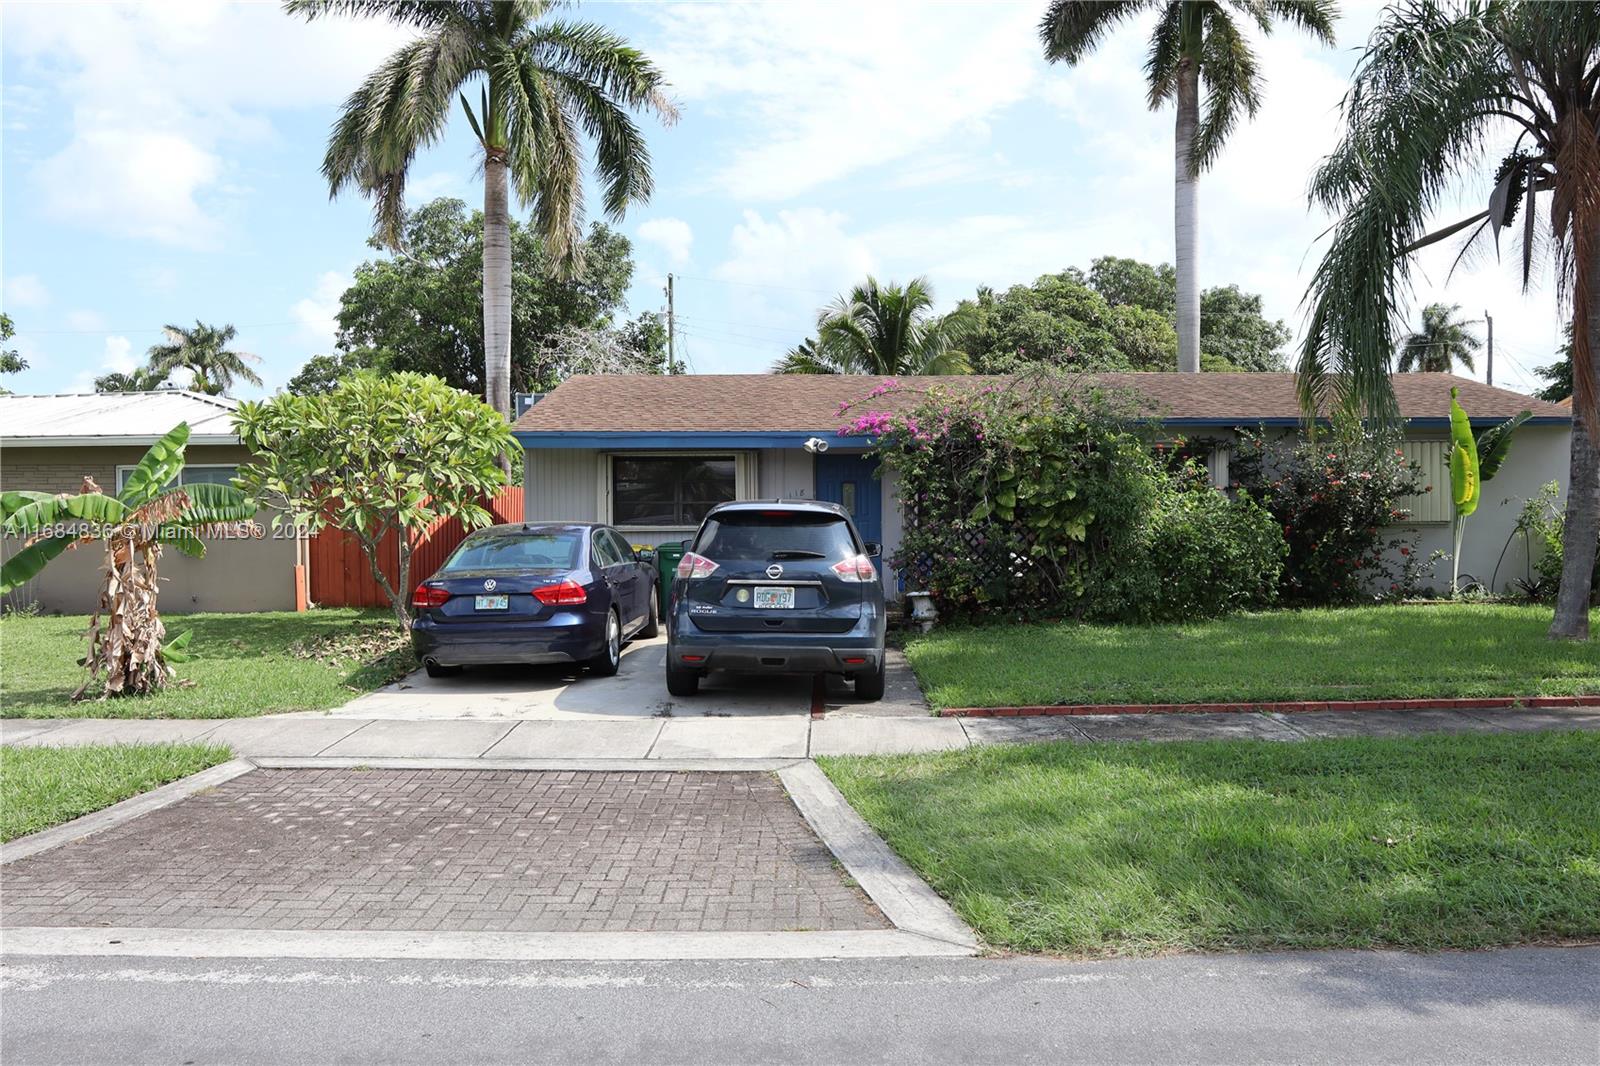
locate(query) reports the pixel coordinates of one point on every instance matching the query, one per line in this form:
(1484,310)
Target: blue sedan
(535,594)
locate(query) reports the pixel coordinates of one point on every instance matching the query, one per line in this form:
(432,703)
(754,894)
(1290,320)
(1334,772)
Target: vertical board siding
(562,485)
(341,576)
(1433,503)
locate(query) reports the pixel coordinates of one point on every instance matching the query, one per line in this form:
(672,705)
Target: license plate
(781,597)
(491,603)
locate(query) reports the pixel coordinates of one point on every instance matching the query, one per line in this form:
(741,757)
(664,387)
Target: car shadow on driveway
(563,692)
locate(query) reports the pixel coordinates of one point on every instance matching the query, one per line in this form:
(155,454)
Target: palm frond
(1070,29)
(1233,83)
(419,13)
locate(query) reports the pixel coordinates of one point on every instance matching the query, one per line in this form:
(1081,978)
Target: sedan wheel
(605,664)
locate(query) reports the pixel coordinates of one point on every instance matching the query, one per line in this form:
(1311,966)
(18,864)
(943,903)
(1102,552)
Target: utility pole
(1489,372)
(672,363)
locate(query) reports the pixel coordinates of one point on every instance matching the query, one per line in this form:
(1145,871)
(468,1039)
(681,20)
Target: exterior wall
(1539,454)
(235,575)
(561,485)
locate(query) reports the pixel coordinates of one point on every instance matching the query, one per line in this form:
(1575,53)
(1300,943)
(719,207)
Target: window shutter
(1433,456)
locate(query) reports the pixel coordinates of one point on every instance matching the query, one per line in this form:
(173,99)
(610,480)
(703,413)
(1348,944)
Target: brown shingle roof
(804,403)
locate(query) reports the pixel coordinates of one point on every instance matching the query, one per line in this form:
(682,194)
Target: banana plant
(151,512)
(1474,459)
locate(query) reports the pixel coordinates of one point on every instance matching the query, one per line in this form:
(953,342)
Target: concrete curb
(1488,703)
(327,762)
(905,899)
(310,944)
(126,811)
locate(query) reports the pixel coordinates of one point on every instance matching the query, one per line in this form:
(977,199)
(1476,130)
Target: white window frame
(744,479)
(124,471)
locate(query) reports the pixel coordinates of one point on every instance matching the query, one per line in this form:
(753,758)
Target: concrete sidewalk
(789,736)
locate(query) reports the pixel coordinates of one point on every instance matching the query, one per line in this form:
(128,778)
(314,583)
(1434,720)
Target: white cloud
(24,291)
(820,92)
(158,94)
(85,321)
(317,314)
(672,235)
(116,355)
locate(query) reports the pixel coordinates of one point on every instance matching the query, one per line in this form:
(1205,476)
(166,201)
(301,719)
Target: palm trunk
(1581,536)
(1186,216)
(496,284)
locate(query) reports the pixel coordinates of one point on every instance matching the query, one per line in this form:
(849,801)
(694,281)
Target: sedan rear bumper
(565,638)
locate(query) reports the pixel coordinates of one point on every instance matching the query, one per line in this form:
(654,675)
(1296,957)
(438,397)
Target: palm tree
(149,513)
(1444,341)
(1433,91)
(204,352)
(543,85)
(884,330)
(1194,40)
(139,379)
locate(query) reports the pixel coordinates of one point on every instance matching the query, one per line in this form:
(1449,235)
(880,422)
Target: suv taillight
(429,596)
(692,565)
(856,568)
(568,593)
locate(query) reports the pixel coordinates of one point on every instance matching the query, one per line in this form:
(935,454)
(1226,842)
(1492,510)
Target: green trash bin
(667,556)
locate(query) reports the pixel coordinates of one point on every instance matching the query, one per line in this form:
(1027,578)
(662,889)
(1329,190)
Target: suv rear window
(770,535)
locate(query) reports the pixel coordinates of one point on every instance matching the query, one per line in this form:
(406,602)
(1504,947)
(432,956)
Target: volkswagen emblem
(774,571)
(488,586)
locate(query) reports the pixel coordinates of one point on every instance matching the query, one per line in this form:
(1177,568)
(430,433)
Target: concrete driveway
(638,690)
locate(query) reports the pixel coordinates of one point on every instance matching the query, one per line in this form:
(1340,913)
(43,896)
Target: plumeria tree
(151,513)
(375,456)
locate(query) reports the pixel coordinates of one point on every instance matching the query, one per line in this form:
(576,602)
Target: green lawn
(1381,652)
(244,664)
(1133,849)
(42,787)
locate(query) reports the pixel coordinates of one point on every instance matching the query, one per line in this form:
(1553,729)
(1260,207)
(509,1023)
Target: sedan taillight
(692,565)
(856,568)
(567,593)
(429,596)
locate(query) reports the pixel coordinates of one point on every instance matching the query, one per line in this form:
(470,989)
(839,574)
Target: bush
(1205,555)
(1334,500)
(1042,500)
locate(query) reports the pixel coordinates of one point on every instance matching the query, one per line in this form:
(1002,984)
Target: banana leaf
(158,468)
(12,502)
(210,503)
(1465,485)
(1495,442)
(27,563)
(39,515)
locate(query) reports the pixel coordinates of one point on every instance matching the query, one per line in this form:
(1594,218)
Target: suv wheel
(605,664)
(870,686)
(682,682)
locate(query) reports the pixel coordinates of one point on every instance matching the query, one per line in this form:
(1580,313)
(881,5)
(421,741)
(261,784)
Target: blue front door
(851,480)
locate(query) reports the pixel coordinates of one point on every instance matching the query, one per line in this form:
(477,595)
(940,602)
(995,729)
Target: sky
(160,163)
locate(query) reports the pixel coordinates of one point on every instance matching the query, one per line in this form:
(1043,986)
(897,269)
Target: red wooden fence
(341,576)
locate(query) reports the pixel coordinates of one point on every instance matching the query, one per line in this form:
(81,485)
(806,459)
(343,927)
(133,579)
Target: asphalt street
(1535,1005)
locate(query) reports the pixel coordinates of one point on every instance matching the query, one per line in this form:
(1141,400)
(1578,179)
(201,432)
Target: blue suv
(784,586)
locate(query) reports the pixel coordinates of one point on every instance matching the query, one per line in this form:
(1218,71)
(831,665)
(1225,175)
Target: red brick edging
(1282,706)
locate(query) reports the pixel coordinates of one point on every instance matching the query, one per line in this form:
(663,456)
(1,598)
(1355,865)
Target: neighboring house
(51,443)
(649,454)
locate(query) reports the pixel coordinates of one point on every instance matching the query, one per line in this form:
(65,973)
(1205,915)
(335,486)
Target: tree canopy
(1117,317)
(372,456)
(884,328)
(421,310)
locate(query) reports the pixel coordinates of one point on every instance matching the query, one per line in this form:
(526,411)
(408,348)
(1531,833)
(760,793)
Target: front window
(516,551)
(189,475)
(669,490)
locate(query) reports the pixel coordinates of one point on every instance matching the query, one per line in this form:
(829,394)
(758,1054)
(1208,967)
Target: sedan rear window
(517,551)
(775,535)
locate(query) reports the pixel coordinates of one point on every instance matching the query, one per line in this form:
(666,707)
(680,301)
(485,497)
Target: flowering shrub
(1041,499)
(1335,499)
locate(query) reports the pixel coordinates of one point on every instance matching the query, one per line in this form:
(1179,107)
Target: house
(650,454)
(51,443)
